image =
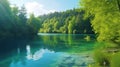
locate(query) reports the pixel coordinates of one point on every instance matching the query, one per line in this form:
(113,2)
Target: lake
(48,50)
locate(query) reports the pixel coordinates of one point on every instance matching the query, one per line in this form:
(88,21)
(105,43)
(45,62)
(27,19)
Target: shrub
(115,60)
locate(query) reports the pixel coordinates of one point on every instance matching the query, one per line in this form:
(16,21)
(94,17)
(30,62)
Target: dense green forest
(14,22)
(70,21)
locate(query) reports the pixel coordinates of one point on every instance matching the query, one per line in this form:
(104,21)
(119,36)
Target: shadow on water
(9,47)
(16,51)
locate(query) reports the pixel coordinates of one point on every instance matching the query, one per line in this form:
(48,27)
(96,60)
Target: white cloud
(37,8)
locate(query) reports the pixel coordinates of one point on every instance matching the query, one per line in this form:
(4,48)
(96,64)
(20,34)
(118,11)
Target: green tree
(71,25)
(6,19)
(16,19)
(105,19)
(22,15)
(56,26)
(63,22)
(34,24)
(13,22)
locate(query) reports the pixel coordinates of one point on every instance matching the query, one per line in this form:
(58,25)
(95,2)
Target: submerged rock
(75,61)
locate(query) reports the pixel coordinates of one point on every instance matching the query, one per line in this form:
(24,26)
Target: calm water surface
(49,50)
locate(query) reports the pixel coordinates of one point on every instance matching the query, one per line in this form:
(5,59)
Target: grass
(115,60)
(104,58)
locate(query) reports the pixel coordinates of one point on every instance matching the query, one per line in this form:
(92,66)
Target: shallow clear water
(50,50)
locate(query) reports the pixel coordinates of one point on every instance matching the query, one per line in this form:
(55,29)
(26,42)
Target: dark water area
(47,50)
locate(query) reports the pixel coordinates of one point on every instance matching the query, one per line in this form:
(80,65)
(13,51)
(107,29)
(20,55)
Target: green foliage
(22,14)
(105,19)
(70,21)
(71,25)
(106,24)
(115,60)
(104,53)
(34,23)
(87,38)
(101,58)
(107,52)
(50,26)
(5,17)
(13,22)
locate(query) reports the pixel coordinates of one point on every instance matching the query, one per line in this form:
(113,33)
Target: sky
(40,7)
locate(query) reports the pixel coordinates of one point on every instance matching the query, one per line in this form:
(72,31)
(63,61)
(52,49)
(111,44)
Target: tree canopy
(106,18)
(14,21)
(70,21)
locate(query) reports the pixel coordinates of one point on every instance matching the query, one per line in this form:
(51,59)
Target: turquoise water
(50,50)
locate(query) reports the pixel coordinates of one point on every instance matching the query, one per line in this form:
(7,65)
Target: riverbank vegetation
(106,24)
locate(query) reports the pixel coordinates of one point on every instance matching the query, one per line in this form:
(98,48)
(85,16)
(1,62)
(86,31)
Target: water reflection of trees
(12,50)
(60,42)
(12,57)
(17,51)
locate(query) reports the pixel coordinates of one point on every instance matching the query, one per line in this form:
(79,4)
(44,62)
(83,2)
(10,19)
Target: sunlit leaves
(70,22)
(71,25)
(106,21)
(50,26)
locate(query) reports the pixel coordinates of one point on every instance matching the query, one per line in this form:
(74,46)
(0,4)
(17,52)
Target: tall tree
(105,20)
(63,22)
(22,14)
(71,25)
(6,18)
(34,24)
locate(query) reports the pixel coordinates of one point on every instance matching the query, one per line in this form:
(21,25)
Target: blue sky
(40,7)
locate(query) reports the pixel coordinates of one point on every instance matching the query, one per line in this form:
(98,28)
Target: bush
(115,60)
(102,58)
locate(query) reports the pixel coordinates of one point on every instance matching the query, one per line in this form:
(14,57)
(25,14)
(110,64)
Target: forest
(14,22)
(98,17)
(68,22)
